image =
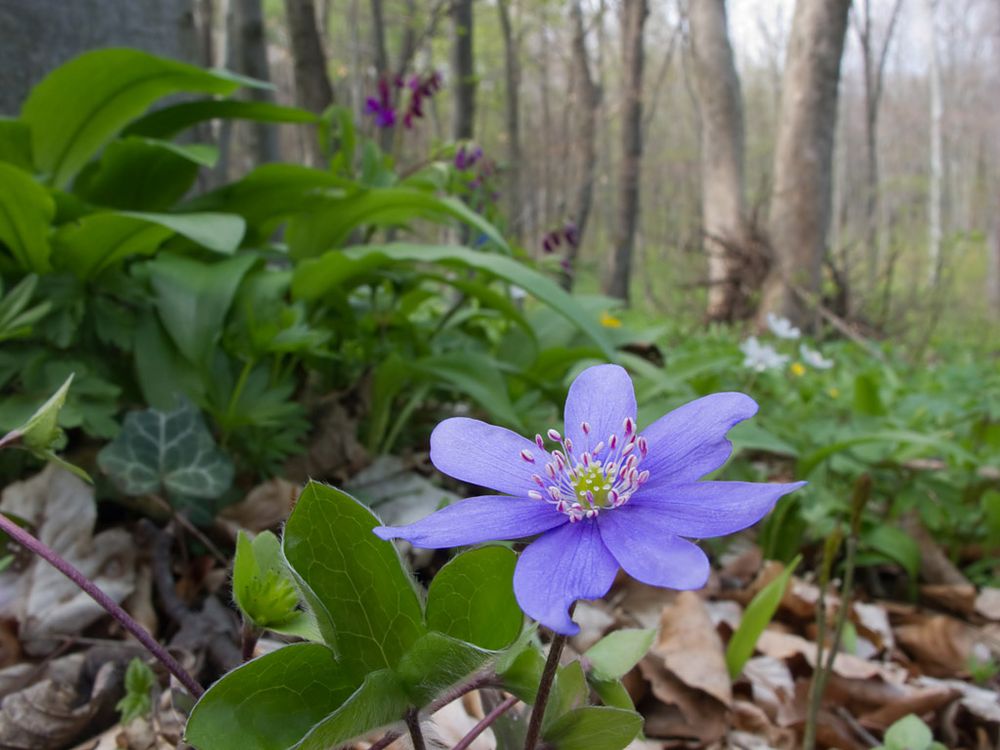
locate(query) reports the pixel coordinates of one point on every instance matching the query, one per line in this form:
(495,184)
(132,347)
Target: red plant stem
(485,722)
(52,557)
(544,687)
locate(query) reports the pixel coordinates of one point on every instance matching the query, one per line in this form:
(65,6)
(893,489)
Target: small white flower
(760,357)
(815,359)
(782,327)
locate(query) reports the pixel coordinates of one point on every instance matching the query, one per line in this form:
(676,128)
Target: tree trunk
(40,35)
(800,197)
(312,84)
(382,70)
(934,231)
(633,22)
(463,67)
(720,108)
(512,101)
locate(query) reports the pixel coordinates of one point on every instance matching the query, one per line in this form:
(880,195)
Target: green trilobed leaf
(594,728)
(272,702)
(379,701)
(472,598)
(365,602)
(170,452)
(435,663)
(81,105)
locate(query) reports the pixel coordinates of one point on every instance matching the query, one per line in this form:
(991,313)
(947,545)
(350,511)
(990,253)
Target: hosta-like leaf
(26,211)
(170,452)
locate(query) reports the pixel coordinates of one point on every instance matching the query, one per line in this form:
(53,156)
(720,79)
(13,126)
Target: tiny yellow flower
(798,369)
(610,321)
(833,392)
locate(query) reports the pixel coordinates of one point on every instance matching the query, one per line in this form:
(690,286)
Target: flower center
(602,478)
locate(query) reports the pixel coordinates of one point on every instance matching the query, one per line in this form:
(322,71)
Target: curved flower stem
(52,557)
(544,688)
(413,724)
(485,722)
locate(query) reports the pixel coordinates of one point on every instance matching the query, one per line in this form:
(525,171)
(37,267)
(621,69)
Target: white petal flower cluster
(760,357)
(814,358)
(782,327)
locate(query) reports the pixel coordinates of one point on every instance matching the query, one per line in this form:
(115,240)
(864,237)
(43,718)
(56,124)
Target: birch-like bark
(463,67)
(633,23)
(801,193)
(934,231)
(720,107)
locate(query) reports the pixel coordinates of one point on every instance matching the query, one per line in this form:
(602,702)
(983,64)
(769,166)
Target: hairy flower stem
(41,549)
(544,688)
(485,722)
(413,724)
(249,635)
(11,438)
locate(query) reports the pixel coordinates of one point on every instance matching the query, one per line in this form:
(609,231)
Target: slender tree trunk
(204,22)
(384,136)
(512,101)
(312,84)
(463,66)
(936,148)
(722,200)
(993,248)
(607,152)
(633,22)
(588,101)
(800,197)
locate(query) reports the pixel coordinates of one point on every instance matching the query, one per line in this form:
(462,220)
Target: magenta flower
(606,496)
(381,108)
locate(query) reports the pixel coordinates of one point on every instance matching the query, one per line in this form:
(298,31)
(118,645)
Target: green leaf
(472,598)
(908,733)
(262,587)
(895,544)
(612,657)
(169,121)
(365,603)
(143,174)
(612,693)
(272,702)
(569,692)
(161,370)
(218,232)
(170,452)
(81,105)
(99,241)
(521,670)
(990,504)
(379,701)
(477,376)
(193,298)
(437,662)
(16,319)
(15,143)
(315,232)
(139,683)
(866,396)
(317,277)
(758,614)
(809,462)
(26,212)
(594,728)
(41,432)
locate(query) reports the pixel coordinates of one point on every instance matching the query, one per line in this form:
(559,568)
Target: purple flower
(381,108)
(606,496)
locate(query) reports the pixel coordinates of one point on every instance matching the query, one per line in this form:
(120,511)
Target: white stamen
(526,455)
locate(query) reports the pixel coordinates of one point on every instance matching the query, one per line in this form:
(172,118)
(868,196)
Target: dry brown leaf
(594,619)
(917,701)
(750,721)
(955,597)
(640,605)
(264,507)
(682,713)
(773,689)
(941,645)
(739,565)
(726,613)
(872,621)
(786,645)
(691,649)
(61,508)
(140,603)
(988,604)
(981,703)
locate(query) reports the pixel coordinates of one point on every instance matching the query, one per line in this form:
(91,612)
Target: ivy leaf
(171,452)
(472,598)
(275,699)
(365,603)
(139,683)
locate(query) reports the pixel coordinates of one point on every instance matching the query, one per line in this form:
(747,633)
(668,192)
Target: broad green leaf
(313,233)
(612,657)
(365,603)
(16,318)
(751,436)
(26,212)
(990,504)
(169,121)
(809,462)
(569,692)
(472,598)
(379,701)
(594,728)
(476,375)
(143,174)
(41,432)
(612,693)
(895,544)
(317,277)
(908,733)
(98,241)
(138,699)
(262,587)
(758,614)
(81,105)
(161,370)
(275,699)
(193,298)
(220,233)
(15,143)
(867,399)
(435,663)
(171,452)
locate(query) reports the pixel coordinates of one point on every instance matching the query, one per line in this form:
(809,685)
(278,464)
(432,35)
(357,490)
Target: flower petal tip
(388,533)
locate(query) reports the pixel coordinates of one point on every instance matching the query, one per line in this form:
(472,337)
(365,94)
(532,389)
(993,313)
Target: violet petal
(561,566)
(602,396)
(478,519)
(645,546)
